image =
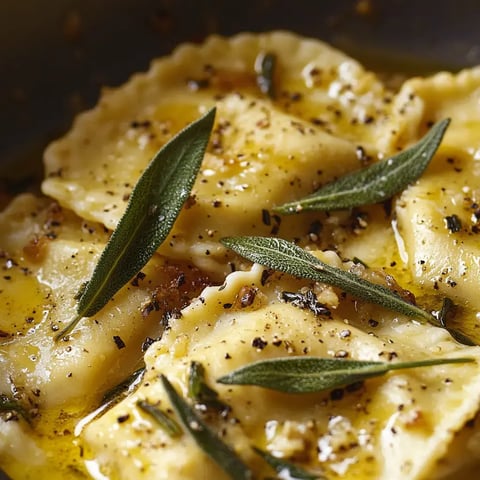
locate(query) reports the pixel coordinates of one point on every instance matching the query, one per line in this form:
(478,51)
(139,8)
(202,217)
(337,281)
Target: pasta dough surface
(195,301)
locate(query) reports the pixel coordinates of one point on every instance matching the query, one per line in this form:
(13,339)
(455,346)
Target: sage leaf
(168,425)
(265,67)
(443,318)
(201,393)
(287,257)
(312,374)
(205,438)
(154,205)
(125,387)
(286,470)
(8,404)
(376,183)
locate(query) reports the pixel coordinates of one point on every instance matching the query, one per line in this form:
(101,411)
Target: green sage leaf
(168,424)
(8,404)
(443,318)
(287,257)
(286,470)
(265,66)
(125,387)
(311,374)
(205,438)
(200,392)
(154,205)
(375,183)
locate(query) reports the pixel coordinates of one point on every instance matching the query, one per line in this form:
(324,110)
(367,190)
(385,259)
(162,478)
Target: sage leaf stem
(205,438)
(312,374)
(376,183)
(287,257)
(154,205)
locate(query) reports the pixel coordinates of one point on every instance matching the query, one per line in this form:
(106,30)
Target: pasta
(198,302)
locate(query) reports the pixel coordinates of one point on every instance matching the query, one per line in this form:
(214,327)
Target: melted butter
(57,453)
(351,106)
(22,299)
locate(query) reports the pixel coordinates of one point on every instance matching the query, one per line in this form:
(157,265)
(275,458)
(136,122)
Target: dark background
(55,56)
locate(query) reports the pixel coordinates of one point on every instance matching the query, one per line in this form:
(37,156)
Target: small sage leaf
(205,438)
(154,205)
(376,183)
(265,67)
(8,404)
(286,470)
(443,318)
(201,393)
(168,425)
(312,374)
(287,257)
(125,387)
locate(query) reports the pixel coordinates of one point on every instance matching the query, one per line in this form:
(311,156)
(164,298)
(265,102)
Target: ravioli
(47,253)
(439,216)
(326,116)
(394,427)
(324,121)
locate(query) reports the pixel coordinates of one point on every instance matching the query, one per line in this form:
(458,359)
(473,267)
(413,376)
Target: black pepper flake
(315,228)
(390,355)
(140,124)
(180,280)
(453,223)
(373,323)
(265,276)
(148,342)
(139,276)
(359,221)
(307,301)
(354,387)
(226,306)
(266,217)
(227,356)
(123,418)
(150,307)
(336,394)
(276,227)
(259,343)
(119,342)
